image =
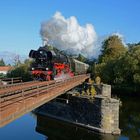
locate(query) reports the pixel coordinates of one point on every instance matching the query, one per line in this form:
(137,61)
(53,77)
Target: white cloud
(67,34)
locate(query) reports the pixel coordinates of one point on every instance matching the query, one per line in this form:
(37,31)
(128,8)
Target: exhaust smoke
(67,35)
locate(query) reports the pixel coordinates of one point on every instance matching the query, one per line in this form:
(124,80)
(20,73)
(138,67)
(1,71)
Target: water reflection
(130,118)
(21,129)
(56,130)
(129,125)
(24,127)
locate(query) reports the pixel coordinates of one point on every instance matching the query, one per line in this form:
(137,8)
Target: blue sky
(20,19)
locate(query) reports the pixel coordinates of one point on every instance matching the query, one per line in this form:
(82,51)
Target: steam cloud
(68,35)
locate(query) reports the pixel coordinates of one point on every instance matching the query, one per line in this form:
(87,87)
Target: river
(28,127)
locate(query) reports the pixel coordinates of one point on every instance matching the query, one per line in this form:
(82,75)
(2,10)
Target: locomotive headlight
(47,68)
(33,68)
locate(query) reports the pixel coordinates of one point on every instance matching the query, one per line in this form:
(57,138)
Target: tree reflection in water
(130,118)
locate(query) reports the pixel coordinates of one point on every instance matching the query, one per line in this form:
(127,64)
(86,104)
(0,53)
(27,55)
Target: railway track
(19,87)
(21,92)
(19,99)
(15,84)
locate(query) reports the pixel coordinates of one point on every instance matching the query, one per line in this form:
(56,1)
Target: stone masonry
(100,113)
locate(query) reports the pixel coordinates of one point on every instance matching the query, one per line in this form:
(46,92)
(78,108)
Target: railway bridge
(19,99)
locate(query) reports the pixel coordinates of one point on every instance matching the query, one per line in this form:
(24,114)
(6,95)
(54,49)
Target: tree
(131,65)
(106,71)
(28,62)
(81,58)
(112,48)
(112,51)
(21,70)
(125,70)
(17,60)
(130,45)
(2,63)
(2,75)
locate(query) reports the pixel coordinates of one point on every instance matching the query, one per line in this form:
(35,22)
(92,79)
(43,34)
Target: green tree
(106,71)
(21,70)
(112,48)
(131,65)
(112,52)
(28,62)
(17,61)
(2,75)
(125,70)
(2,63)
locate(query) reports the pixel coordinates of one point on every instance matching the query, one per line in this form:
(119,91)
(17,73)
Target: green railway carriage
(78,67)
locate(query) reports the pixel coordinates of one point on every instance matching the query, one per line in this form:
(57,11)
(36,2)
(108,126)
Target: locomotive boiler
(50,63)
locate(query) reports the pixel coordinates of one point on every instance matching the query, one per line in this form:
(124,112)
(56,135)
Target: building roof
(5,68)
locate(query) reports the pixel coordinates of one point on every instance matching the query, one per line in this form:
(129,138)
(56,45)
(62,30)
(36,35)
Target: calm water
(30,128)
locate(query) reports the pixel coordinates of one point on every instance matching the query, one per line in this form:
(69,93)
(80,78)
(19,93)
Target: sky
(20,20)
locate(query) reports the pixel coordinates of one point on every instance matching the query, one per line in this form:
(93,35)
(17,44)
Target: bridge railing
(6,81)
(16,101)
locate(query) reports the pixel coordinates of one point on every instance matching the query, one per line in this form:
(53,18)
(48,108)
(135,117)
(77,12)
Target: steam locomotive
(50,63)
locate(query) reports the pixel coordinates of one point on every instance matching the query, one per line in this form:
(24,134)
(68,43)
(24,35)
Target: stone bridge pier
(99,113)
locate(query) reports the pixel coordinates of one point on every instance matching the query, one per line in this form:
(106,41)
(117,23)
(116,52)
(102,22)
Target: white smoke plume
(68,35)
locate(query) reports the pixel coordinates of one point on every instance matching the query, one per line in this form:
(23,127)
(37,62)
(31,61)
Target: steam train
(49,64)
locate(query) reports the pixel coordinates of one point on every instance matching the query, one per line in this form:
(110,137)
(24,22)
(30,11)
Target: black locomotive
(49,63)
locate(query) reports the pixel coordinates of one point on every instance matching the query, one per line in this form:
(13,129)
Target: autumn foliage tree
(112,48)
(112,51)
(119,64)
